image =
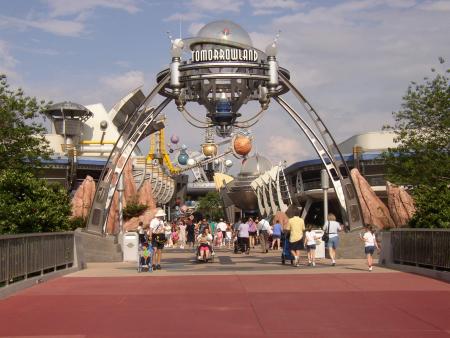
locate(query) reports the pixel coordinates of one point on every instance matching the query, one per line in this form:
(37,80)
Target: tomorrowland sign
(225,54)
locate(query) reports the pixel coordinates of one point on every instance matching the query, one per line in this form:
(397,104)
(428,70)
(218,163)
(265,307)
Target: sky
(353,60)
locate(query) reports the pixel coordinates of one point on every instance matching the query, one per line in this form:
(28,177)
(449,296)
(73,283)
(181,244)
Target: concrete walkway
(237,296)
(177,262)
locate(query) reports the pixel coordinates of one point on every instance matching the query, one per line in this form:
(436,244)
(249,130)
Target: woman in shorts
(252,232)
(370,243)
(276,236)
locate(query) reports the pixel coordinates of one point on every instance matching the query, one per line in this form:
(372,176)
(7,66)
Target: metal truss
(134,130)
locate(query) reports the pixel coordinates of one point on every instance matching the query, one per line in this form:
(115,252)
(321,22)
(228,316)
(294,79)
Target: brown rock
(130,191)
(400,203)
(112,225)
(374,210)
(146,195)
(82,200)
(281,217)
(145,218)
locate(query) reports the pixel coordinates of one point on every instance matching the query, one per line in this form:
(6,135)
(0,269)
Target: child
(218,238)
(310,243)
(370,243)
(228,236)
(146,256)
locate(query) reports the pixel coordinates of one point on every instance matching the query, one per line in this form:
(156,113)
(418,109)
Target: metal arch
(331,165)
(134,128)
(353,207)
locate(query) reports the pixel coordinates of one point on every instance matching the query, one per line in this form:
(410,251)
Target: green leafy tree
(29,204)
(421,159)
(22,145)
(210,206)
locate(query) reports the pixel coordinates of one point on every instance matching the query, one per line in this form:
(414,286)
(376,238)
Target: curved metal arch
(348,191)
(346,202)
(134,129)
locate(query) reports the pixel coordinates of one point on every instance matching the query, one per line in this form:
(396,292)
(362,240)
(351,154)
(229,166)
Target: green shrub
(29,204)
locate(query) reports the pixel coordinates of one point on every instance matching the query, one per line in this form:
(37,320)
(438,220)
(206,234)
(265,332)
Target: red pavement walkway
(320,305)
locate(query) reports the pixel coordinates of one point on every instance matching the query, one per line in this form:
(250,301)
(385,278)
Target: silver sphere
(225,30)
(103,125)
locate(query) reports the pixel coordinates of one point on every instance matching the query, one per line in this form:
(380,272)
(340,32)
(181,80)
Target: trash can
(130,247)
(320,245)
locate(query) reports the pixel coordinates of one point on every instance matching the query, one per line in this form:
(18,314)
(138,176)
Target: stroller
(145,254)
(286,253)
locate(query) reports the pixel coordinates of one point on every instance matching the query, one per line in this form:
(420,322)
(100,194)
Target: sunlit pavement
(235,296)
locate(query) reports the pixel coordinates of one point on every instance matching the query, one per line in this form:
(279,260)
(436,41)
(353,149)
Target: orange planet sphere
(242,145)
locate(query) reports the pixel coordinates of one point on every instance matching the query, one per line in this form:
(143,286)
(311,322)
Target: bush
(29,204)
(133,209)
(77,222)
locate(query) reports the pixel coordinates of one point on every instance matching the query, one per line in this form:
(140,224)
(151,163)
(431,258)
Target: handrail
(29,255)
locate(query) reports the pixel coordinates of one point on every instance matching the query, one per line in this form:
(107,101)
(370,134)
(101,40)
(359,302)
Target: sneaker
(370,268)
(333,264)
(158,267)
(153,266)
(313,263)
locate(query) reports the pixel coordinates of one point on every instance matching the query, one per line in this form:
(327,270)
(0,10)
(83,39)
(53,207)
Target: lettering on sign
(229,54)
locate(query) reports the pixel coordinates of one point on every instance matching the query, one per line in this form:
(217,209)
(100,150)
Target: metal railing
(29,255)
(422,247)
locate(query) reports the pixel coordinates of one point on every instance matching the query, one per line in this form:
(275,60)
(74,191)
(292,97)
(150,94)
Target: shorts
(333,242)
(158,241)
(252,233)
(276,236)
(295,246)
(369,250)
(224,234)
(310,247)
(204,248)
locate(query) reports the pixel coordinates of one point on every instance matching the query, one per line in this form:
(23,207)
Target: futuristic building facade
(222,72)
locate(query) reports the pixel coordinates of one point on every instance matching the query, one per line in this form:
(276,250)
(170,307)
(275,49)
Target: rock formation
(281,217)
(374,210)
(82,200)
(400,203)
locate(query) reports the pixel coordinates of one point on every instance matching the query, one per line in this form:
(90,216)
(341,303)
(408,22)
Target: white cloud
(279,148)
(195,27)
(217,5)
(7,60)
(70,7)
(267,7)
(54,26)
(123,83)
(186,16)
(436,5)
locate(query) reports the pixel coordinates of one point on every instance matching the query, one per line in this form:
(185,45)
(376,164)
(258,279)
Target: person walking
(310,244)
(296,227)
(264,227)
(222,226)
(158,237)
(252,230)
(276,236)
(332,228)
(243,239)
(370,243)
(182,234)
(190,229)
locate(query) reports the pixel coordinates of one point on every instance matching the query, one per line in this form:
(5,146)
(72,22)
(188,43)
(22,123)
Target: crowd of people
(246,234)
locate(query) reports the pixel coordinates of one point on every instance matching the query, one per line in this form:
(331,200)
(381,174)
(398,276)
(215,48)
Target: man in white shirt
(263,228)
(158,237)
(222,226)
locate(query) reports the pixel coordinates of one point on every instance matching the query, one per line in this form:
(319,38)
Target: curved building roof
(225,30)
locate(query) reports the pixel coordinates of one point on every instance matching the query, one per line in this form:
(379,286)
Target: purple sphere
(174,139)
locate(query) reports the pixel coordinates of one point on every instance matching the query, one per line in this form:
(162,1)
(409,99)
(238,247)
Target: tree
(421,159)
(22,143)
(29,204)
(210,205)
